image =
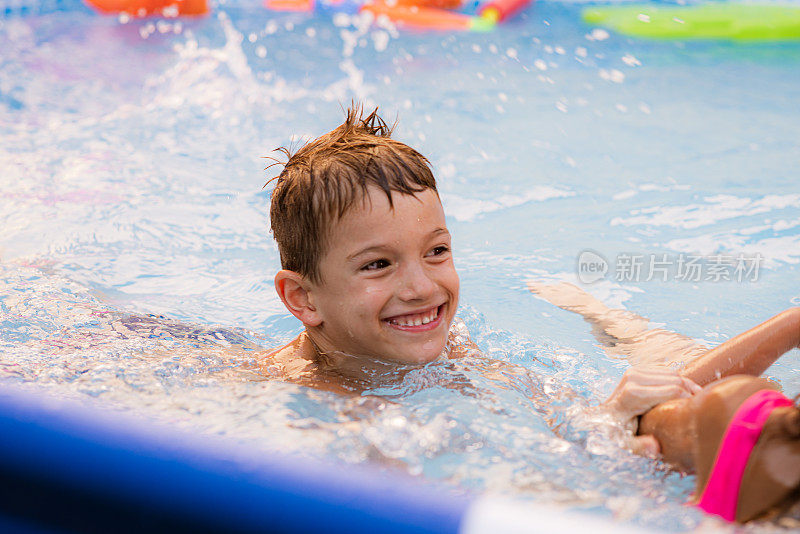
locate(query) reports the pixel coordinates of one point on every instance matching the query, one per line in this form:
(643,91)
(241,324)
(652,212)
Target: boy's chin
(422,356)
(421,352)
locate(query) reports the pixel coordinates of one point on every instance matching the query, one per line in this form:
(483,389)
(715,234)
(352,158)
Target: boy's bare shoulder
(297,363)
(296,357)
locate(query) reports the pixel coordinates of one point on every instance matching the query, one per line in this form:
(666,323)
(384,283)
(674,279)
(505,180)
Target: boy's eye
(375,265)
(438,251)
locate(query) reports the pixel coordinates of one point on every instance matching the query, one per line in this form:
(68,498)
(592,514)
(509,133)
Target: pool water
(136,266)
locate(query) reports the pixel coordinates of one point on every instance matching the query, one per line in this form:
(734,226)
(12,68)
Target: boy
(365,252)
(368,269)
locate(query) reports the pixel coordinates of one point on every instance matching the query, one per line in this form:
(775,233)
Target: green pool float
(744,22)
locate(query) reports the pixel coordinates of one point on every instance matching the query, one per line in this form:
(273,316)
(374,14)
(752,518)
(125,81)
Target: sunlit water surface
(131,187)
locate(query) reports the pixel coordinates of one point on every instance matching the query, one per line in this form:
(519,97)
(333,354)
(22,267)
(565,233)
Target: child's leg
(750,353)
(621,332)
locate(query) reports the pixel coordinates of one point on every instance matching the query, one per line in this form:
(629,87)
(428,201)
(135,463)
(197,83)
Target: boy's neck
(303,361)
(364,369)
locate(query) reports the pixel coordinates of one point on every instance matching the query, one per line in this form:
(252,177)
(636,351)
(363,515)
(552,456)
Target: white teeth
(417,321)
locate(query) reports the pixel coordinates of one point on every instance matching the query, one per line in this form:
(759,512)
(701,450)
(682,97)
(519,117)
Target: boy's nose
(416,283)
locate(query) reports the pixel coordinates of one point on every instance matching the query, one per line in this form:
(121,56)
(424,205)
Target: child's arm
(750,353)
(670,424)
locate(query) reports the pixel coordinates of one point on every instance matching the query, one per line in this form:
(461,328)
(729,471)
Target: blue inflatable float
(66,467)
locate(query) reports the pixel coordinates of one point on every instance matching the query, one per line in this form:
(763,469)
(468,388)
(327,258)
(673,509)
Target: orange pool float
(144,8)
(416,14)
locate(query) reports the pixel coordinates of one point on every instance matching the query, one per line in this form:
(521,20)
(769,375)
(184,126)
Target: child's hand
(642,388)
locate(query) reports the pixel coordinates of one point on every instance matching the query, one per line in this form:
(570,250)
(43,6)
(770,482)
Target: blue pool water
(132,173)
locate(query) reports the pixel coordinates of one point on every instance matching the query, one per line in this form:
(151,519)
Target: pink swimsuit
(721,494)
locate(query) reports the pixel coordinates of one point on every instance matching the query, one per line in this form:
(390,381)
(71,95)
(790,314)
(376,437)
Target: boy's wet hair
(323,179)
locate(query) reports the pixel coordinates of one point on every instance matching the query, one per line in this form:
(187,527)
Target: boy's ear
(293,289)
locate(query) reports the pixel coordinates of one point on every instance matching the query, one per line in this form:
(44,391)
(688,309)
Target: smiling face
(388,288)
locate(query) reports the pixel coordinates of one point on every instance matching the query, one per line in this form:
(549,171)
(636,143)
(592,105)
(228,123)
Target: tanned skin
(749,353)
(688,431)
